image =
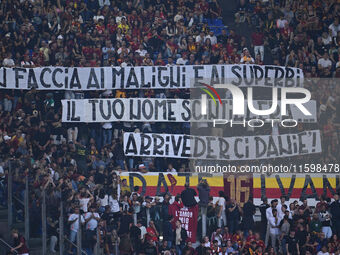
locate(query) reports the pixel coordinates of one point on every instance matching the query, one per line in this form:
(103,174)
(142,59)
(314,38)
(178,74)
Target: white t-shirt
(121,49)
(91,224)
(75,225)
(199,39)
(279,208)
(2,172)
(107,125)
(181,61)
(103,202)
(221,202)
(173,170)
(141,53)
(83,202)
(335,29)
(323,253)
(96,18)
(213,39)
(119,19)
(280,23)
(114,204)
(142,232)
(269,213)
(327,40)
(324,62)
(273,226)
(8,62)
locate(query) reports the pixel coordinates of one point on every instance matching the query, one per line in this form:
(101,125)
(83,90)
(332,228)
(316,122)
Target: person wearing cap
(142,168)
(246,58)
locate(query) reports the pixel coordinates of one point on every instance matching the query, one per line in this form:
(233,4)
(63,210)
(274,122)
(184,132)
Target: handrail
(76,246)
(8,246)
(19,200)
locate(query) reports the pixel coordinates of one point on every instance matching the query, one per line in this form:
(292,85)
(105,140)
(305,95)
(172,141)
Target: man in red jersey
(19,243)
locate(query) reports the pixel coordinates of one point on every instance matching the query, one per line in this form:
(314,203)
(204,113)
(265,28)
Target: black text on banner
(222,148)
(168,110)
(146,77)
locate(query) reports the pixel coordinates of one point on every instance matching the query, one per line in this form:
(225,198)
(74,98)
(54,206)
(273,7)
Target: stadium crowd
(78,163)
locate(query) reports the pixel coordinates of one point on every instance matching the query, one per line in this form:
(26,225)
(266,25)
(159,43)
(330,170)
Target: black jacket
(335,210)
(203,194)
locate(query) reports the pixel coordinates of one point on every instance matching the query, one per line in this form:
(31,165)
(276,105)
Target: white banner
(222,148)
(146,77)
(169,110)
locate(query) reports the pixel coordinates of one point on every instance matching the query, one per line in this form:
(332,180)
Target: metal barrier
(7,245)
(20,195)
(73,244)
(11,198)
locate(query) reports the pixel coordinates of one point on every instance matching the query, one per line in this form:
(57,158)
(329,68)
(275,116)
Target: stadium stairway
(34,244)
(228,11)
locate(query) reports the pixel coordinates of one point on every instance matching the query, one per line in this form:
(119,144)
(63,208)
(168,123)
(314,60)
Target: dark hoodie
(203,194)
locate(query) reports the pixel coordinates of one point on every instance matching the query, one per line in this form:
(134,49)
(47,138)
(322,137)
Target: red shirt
(151,231)
(100,28)
(257,39)
(23,249)
(261,244)
(87,51)
(112,28)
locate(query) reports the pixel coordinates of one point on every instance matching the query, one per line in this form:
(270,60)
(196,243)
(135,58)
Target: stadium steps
(35,244)
(229,9)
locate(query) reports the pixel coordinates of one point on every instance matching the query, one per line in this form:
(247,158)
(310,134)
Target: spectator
(180,237)
(274,228)
(19,243)
(249,210)
(263,208)
(325,65)
(335,213)
(292,246)
(188,196)
(325,220)
(8,61)
(64,158)
(234,214)
(258,43)
(246,58)
(74,221)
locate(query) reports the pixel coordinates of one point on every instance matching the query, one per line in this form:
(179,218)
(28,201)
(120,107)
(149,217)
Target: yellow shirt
(124,28)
